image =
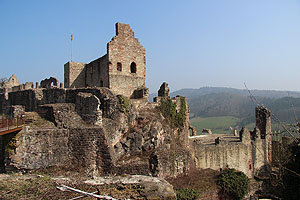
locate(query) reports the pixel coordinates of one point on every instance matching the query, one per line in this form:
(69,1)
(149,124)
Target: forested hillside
(217,101)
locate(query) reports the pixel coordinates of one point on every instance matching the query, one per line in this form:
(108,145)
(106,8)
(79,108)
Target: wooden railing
(7,123)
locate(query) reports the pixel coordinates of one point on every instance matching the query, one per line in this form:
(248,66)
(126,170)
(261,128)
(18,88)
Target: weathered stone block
(88,107)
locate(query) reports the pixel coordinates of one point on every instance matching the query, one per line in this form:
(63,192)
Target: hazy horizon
(190,44)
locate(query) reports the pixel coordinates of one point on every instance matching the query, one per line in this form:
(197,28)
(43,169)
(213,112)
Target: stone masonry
(249,152)
(102,123)
(122,69)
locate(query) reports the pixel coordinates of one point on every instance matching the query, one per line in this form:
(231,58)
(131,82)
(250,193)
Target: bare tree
(2,81)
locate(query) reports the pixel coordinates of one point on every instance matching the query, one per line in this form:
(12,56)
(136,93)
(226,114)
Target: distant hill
(210,90)
(219,101)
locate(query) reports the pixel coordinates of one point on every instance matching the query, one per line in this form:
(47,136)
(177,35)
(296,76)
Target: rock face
(150,187)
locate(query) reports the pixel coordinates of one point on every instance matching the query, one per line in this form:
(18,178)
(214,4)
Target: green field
(216,124)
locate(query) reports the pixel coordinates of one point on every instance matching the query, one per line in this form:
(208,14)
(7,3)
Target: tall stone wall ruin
(127,58)
(122,69)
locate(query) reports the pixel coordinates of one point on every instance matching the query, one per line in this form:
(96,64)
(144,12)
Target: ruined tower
(263,126)
(122,69)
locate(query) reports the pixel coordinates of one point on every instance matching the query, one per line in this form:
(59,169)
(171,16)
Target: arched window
(133,67)
(119,66)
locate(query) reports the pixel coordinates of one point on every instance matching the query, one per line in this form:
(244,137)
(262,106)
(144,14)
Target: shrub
(168,109)
(125,104)
(233,183)
(187,194)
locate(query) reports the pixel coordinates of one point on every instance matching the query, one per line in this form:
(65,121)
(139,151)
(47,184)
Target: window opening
(133,67)
(119,66)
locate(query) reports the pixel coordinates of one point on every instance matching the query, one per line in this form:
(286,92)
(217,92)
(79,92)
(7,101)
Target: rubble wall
(32,98)
(49,96)
(25,98)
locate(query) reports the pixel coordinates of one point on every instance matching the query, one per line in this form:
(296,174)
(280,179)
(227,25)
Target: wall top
(124,30)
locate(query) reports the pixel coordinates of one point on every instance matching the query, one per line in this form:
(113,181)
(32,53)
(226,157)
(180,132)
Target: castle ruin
(101,123)
(122,69)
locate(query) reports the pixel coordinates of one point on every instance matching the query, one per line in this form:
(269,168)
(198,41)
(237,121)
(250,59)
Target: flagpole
(71,45)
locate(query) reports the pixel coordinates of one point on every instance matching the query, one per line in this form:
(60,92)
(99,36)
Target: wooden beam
(10,131)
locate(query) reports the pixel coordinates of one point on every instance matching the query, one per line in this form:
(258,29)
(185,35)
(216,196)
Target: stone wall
(127,58)
(32,99)
(48,96)
(74,75)
(25,86)
(25,98)
(171,162)
(79,149)
(233,155)
(122,69)
(109,102)
(4,103)
(249,152)
(40,148)
(49,83)
(97,73)
(126,85)
(89,151)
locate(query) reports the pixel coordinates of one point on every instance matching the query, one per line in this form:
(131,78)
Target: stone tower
(122,69)
(263,125)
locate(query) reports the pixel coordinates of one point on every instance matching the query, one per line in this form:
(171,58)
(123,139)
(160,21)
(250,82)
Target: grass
(222,124)
(25,188)
(216,124)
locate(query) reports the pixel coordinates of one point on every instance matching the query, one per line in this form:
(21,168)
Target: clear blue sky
(189,44)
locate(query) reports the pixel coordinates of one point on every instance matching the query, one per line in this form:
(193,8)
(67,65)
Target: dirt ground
(39,185)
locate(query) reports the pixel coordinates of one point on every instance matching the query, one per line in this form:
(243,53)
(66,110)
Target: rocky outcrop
(63,115)
(88,107)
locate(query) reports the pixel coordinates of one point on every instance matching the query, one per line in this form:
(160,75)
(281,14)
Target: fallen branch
(82,196)
(64,188)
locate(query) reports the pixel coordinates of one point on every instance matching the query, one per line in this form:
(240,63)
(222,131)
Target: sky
(189,44)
